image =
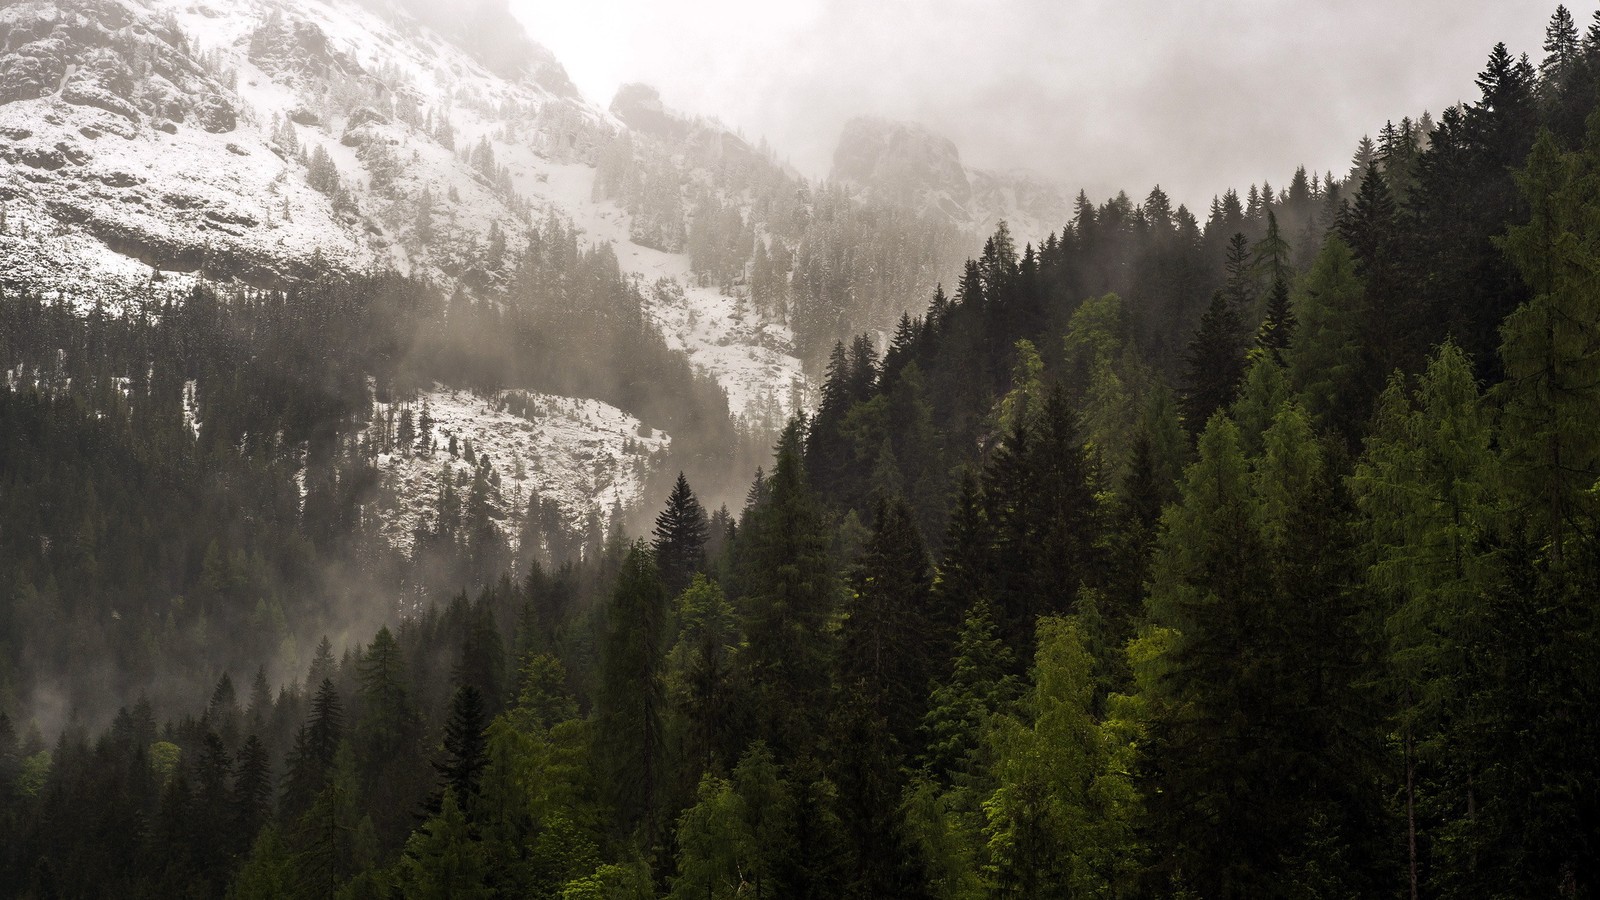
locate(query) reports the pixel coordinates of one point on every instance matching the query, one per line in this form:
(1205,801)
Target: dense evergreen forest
(1251,558)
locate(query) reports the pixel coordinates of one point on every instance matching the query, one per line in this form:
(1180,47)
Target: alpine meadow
(420,481)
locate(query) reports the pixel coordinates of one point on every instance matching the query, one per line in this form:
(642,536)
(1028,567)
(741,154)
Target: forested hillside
(1251,557)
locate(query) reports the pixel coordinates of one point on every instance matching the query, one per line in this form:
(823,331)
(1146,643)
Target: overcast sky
(1197,95)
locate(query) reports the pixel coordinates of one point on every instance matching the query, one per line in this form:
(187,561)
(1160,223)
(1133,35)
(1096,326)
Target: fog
(1100,94)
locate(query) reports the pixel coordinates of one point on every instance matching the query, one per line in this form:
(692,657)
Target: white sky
(1198,95)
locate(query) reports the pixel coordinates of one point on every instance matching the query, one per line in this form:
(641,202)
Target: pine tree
(1425,490)
(211,837)
(1366,154)
(267,874)
(542,698)
(979,685)
(767,817)
(964,570)
(1207,585)
(425,429)
(1259,726)
(713,845)
(1266,388)
(258,714)
(328,844)
(1324,358)
(1272,254)
(223,714)
(482,660)
(406,433)
(1277,328)
(701,668)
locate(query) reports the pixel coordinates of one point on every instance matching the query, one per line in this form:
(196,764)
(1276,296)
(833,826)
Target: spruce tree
(1213,365)
(460,767)
(388,741)
(1551,347)
(790,594)
(1560,46)
(1324,357)
(885,632)
(680,538)
(315,745)
(631,703)
(252,793)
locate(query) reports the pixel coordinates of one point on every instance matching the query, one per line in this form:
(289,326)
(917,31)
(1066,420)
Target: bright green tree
(1062,821)
(443,861)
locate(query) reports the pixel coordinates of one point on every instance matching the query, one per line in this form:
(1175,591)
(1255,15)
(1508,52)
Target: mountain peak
(904,164)
(639,107)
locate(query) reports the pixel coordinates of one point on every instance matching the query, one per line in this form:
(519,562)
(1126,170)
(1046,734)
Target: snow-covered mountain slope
(265,140)
(909,165)
(146,144)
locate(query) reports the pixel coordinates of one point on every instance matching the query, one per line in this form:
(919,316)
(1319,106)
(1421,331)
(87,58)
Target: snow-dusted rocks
(583,454)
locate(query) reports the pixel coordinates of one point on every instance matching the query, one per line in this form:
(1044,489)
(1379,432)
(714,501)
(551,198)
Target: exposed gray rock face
(904,164)
(181,135)
(639,107)
(104,55)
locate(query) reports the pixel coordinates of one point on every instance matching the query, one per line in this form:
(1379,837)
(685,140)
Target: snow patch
(584,454)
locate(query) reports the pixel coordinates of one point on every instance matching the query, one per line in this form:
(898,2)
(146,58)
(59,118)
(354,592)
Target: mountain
(149,145)
(907,164)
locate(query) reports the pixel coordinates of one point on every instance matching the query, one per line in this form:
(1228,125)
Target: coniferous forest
(1256,556)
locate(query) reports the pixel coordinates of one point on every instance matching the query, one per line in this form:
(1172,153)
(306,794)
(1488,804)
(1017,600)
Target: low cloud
(1102,94)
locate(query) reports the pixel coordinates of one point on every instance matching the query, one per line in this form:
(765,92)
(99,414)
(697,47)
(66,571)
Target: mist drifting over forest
(941,450)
